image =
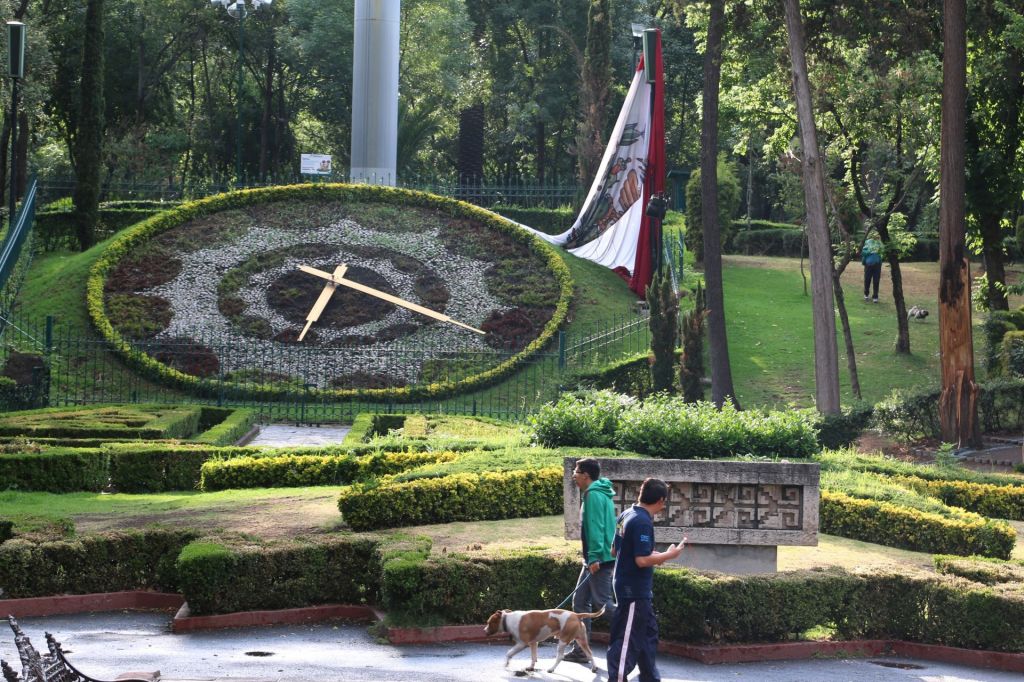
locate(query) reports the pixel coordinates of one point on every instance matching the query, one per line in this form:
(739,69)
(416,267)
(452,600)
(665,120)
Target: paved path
(284,435)
(104,645)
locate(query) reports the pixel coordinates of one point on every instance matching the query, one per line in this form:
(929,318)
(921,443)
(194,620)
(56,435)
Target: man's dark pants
(594,594)
(872,274)
(634,641)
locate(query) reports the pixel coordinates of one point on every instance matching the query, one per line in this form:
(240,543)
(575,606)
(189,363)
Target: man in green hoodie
(597,529)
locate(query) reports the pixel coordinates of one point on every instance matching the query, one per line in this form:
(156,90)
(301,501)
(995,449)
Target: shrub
(144,467)
(1000,502)
(58,470)
(307,470)
(587,419)
(669,427)
(996,325)
(915,415)
(1011,353)
(458,497)
(6,530)
(215,578)
(547,220)
(840,430)
(224,426)
(728,204)
(630,377)
(981,569)
(893,525)
(772,242)
(107,562)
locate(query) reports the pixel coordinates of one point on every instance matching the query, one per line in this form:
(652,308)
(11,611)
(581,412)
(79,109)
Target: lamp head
(638,34)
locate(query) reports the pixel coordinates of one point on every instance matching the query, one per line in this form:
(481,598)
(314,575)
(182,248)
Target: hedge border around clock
(153,368)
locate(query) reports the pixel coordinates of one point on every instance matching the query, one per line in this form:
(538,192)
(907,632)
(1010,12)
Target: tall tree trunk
(896,276)
(596,86)
(21,155)
(721,371)
(992,256)
(89,137)
(826,355)
(5,165)
(470,161)
(958,402)
(844,319)
(266,118)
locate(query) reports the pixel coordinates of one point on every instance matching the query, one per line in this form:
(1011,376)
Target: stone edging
(707,654)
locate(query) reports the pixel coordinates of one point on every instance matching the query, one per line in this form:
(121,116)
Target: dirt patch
(271,519)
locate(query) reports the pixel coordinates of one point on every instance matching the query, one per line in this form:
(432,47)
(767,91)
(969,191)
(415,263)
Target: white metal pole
(375,91)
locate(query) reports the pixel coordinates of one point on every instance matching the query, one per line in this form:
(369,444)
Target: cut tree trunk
(958,402)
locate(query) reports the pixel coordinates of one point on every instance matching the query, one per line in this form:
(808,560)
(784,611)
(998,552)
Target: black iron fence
(63,366)
(527,193)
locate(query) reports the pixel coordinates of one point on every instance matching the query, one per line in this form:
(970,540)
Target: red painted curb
(445,633)
(183,622)
(84,603)
(996,660)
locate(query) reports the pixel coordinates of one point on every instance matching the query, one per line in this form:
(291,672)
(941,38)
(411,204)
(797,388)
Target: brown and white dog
(529,628)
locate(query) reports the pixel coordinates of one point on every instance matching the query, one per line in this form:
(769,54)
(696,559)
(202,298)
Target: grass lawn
(771,343)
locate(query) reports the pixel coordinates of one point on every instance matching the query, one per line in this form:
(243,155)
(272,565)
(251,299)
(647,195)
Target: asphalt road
(105,645)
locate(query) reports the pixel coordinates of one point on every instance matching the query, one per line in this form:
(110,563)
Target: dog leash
(582,583)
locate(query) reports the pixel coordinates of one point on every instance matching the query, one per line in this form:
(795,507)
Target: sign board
(315,164)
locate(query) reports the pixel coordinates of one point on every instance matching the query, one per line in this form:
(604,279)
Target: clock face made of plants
(228,284)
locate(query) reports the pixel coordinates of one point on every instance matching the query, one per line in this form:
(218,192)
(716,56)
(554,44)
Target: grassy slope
(771,338)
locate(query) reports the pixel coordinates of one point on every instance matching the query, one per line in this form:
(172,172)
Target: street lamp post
(239,10)
(16,61)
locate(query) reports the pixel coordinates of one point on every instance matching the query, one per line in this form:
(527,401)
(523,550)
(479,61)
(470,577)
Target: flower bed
(469,239)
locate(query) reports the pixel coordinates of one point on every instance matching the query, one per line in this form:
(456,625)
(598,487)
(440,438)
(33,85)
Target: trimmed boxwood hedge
(309,470)
(151,367)
(458,497)
(121,422)
(60,470)
(153,468)
(216,578)
(106,562)
(889,524)
(224,425)
(982,570)
(696,607)
(995,501)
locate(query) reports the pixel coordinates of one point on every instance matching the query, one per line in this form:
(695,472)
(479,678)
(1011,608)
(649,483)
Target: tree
(664,322)
(995,133)
(691,369)
(826,355)
(721,372)
(594,92)
(89,136)
(958,402)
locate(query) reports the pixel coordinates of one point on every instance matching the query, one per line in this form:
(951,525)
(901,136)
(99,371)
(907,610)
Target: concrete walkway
(286,435)
(104,645)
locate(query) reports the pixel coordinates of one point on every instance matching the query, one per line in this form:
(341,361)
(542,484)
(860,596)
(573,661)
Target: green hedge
(910,415)
(107,562)
(995,501)
(362,429)
(60,470)
(458,497)
(546,220)
(123,422)
(982,569)
(893,525)
(769,242)
(881,464)
(151,367)
(152,468)
(309,470)
(215,578)
(55,230)
(693,607)
(224,426)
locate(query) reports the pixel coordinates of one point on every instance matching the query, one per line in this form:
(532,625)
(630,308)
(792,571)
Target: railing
(521,193)
(14,257)
(77,368)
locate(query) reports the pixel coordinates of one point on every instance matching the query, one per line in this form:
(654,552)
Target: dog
(530,628)
(916,313)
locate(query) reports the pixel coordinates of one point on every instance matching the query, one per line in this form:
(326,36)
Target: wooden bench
(54,667)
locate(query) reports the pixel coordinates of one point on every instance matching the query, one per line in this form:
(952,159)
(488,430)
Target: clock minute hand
(386,297)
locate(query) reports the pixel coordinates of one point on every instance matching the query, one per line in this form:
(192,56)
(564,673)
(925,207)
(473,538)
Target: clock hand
(321,303)
(387,297)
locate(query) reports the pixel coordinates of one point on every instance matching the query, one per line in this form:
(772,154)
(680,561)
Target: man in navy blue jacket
(634,636)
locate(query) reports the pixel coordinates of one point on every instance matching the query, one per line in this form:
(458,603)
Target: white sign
(316,164)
